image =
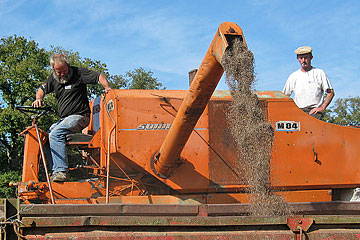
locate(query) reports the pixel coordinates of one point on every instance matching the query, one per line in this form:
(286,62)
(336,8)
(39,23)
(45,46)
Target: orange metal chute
(195,101)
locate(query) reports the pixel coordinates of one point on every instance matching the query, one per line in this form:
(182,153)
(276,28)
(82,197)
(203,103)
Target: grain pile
(253,135)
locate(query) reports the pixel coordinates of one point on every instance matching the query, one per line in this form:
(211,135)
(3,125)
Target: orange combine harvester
(162,163)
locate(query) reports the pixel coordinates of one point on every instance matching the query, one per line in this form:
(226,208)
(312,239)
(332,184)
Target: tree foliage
(142,79)
(22,63)
(24,66)
(5,178)
(345,112)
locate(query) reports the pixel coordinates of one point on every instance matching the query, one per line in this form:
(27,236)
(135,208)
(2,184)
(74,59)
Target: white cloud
(8,6)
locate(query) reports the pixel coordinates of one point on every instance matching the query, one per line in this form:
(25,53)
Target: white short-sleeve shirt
(308,87)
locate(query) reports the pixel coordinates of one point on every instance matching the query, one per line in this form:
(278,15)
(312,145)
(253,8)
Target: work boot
(59,177)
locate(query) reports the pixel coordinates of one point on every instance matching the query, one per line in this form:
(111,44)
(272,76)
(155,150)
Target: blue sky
(171,37)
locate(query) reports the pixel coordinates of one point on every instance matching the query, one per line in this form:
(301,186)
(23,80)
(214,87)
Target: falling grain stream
(252,133)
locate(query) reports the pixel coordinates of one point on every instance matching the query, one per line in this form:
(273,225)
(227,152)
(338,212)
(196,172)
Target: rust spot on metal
(298,223)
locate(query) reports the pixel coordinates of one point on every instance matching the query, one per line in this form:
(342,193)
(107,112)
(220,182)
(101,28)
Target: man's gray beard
(64,79)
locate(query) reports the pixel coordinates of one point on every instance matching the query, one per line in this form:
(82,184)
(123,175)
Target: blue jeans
(55,148)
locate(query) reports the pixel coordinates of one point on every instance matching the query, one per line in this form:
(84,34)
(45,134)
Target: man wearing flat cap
(309,85)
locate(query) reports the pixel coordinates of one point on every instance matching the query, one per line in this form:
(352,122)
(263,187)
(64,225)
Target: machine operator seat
(80,140)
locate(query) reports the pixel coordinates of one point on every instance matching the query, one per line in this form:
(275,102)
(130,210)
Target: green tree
(5,179)
(142,79)
(23,65)
(345,112)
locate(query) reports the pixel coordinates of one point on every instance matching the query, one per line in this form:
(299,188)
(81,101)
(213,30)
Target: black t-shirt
(72,96)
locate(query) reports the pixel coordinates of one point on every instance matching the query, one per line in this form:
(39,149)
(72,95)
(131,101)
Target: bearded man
(69,84)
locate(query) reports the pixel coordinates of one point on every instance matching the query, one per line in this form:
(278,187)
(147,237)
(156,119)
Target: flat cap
(303,50)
